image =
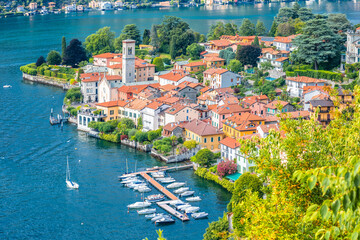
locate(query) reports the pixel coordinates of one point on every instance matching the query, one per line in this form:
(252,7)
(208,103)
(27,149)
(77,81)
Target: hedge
(28,70)
(204,173)
(337,77)
(110,137)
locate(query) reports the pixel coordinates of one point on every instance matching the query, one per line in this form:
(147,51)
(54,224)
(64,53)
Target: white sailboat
(69,183)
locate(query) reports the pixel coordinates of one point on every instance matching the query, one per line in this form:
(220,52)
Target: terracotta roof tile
(174,76)
(175,109)
(221,43)
(274,104)
(304,79)
(107,55)
(230,142)
(118,103)
(202,129)
(230,108)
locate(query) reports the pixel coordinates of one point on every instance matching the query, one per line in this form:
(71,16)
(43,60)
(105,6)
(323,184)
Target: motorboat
(7,86)
(69,183)
(187,193)
(199,215)
(135,184)
(155,198)
(130,180)
(175,185)
(139,205)
(144,189)
(158,174)
(183,207)
(165,220)
(126,176)
(192,209)
(181,190)
(176,202)
(164,179)
(140,186)
(146,211)
(193,199)
(159,217)
(150,216)
(168,181)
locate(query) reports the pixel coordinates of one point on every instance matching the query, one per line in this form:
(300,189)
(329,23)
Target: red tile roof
(221,43)
(230,108)
(230,142)
(171,126)
(195,64)
(107,55)
(242,121)
(212,71)
(175,109)
(174,76)
(304,79)
(202,129)
(112,104)
(281,59)
(213,59)
(154,105)
(266,128)
(274,104)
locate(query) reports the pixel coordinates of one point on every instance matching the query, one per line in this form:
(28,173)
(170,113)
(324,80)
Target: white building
(70,8)
(107,88)
(221,78)
(133,109)
(128,61)
(230,148)
(174,78)
(295,85)
(85,116)
(277,58)
(106,6)
(89,86)
(151,115)
(353,46)
(310,93)
(284,43)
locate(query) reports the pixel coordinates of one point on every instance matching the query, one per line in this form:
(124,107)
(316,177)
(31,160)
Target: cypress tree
(256,42)
(154,38)
(63,47)
(173,47)
(273,29)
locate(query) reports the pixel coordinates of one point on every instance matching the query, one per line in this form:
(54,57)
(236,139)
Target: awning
(233,177)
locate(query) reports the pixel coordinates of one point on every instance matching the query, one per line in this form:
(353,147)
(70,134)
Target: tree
(216,31)
(256,42)
(339,24)
(190,144)
(266,66)
(129,124)
(273,29)
(204,157)
(305,14)
(230,29)
(146,37)
(235,66)
(285,14)
(154,39)
(248,55)
(159,64)
(140,123)
(100,42)
(260,29)
(247,28)
(63,47)
(227,54)
(40,61)
(243,183)
(53,58)
(285,29)
(73,95)
(194,50)
(318,44)
(217,230)
(130,31)
(74,53)
(173,52)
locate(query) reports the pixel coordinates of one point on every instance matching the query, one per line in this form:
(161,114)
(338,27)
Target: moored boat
(155,198)
(175,185)
(7,86)
(69,183)
(144,189)
(146,211)
(199,215)
(192,209)
(193,199)
(165,220)
(139,205)
(181,190)
(187,193)
(150,216)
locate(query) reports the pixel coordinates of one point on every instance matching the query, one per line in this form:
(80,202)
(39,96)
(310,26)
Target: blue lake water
(34,201)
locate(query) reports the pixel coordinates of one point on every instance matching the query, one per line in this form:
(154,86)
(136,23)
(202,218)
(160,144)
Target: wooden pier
(172,211)
(159,186)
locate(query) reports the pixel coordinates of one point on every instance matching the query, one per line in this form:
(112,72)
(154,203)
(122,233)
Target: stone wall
(47,81)
(175,158)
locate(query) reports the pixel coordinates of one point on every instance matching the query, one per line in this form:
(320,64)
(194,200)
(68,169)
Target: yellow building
(326,109)
(214,62)
(237,126)
(111,109)
(204,133)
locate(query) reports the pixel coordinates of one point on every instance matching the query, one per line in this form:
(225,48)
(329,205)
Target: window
(134,115)
(223,116)
(187,111)
(204,140)
(212,139)
(219,139)
(111,112)
(111,118)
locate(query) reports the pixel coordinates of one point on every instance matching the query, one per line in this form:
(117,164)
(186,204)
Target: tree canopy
(248,55)
(260,28)
(204,157)
(130,31)
(53,58)
(194,50)
(74,53)
(100,42)
(247,28)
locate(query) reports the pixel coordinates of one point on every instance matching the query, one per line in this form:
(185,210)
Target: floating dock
(172,211)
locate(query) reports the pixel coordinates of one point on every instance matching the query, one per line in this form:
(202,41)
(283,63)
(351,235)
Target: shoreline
(46,81)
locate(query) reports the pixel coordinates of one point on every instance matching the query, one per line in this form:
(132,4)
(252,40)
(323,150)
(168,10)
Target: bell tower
(128,61)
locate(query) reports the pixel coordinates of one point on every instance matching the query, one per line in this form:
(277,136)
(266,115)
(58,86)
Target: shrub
(141,136)
(73,94)
(180,140)
(110,137)
(190,144)
(204,157)
(204,173)
(40,61)
(152,135)
(132,133)
(53,74)
(246,181)
(226,168)
(73,112)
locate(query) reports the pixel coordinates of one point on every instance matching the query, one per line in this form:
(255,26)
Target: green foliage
(29,70)
(129,124)
(339,24)
(285,29)
(63,47)
(139,123)
(141,136)
(204,173)
(146,37)
(317,45)
(152,135)
(164,145)
(247,28)
(130,31)
(40,61)
(154,38)
(227,54)
(53,58)
(219,29)
(256,42)
(159,64)
(260,29)
(100,42)
(74,95)
(194,50)
(235,66)
(243,183)
(173,52)
(190,144)
(204,157)
(337,77)
(248,55)
(273,29)
(132,133)
(74,53)
(114,137)
(217,230)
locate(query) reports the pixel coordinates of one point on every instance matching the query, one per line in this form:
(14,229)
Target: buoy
(75,148)
(82,223)
(79,160)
